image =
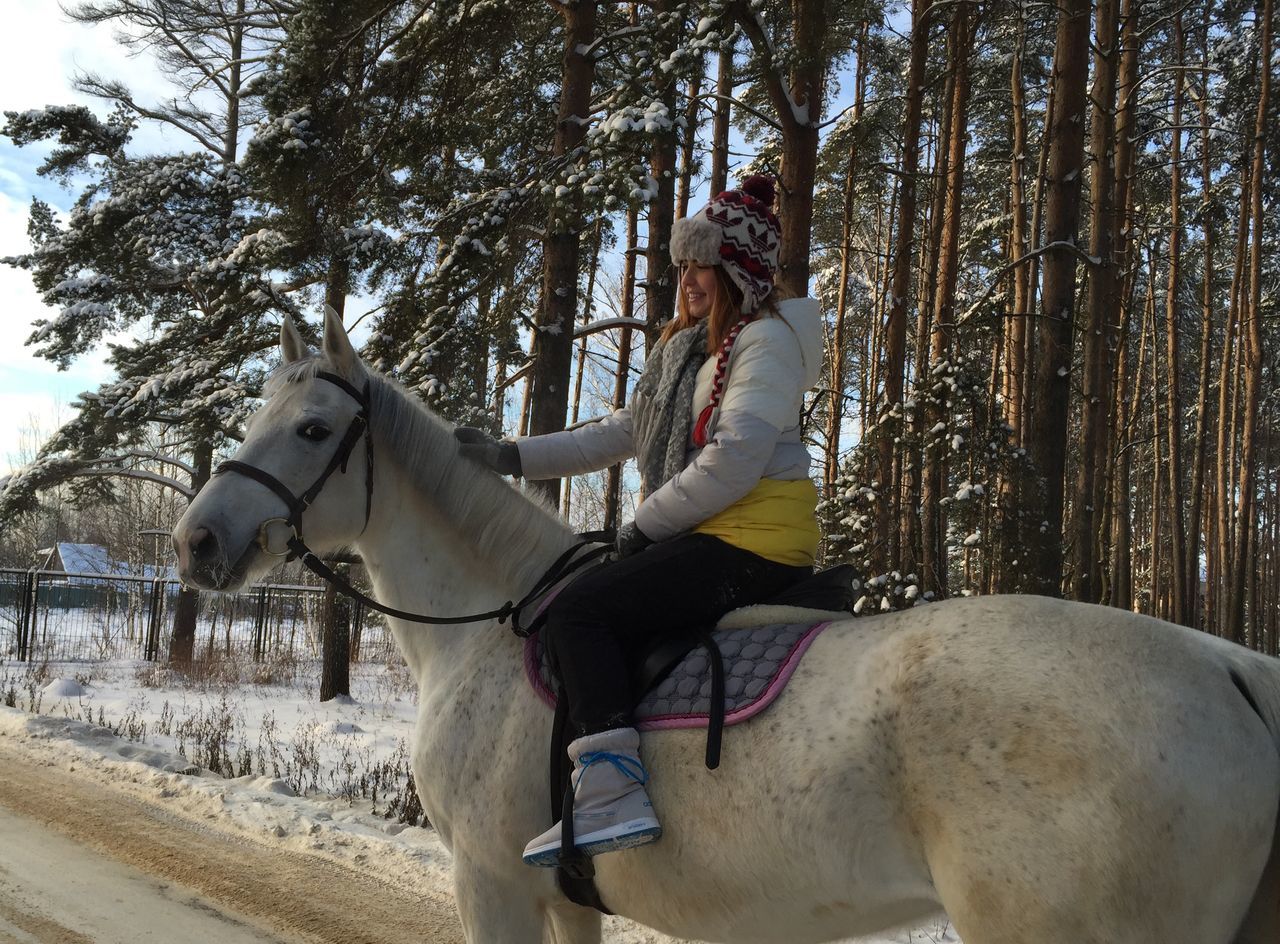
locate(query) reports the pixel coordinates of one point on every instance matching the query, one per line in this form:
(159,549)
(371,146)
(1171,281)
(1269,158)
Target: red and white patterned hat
(736,230)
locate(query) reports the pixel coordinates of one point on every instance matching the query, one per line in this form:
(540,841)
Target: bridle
(296,548)
(297,504)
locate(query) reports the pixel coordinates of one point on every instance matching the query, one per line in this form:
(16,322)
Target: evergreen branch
(156,477)
(1006,269)
(112,91)
(153,456)
(771,122)
(773,80)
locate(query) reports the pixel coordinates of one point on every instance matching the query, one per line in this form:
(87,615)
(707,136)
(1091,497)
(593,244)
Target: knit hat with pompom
(736,230)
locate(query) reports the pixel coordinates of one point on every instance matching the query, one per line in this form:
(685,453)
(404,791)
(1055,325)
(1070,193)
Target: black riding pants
(601,625)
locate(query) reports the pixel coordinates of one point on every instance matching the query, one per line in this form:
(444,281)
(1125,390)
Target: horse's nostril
(204,546)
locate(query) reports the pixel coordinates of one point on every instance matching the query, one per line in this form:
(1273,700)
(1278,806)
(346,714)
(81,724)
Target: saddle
(765,643)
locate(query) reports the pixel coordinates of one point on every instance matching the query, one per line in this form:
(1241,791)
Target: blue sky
(39,52)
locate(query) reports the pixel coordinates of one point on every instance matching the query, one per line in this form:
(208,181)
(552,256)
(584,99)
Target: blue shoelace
(627,766)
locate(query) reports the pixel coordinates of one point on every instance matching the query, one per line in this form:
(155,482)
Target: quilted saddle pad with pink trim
(758,662)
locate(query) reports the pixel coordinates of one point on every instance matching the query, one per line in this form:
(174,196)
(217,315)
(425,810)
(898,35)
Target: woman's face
(700,285)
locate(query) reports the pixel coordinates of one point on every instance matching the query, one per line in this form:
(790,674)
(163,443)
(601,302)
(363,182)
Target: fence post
(152,649)
(357,628)
(25,618)
(260,625)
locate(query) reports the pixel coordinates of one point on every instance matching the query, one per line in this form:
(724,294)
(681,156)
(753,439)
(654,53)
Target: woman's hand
(631,540)
(503,457)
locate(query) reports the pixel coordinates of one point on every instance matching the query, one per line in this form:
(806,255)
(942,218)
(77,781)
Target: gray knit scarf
(663,410)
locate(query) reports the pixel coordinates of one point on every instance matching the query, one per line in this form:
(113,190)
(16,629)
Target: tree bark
(660,299)
(1062,218)
(720,128)
(335,640)
(1195,517)
(941,339)
(836,377)
(1224,528)
(1179,610)
(798,107)
(613,484)
(182,641)
(1244,576)
(553,340)
(1019,244)
(895,334)
(1101,316)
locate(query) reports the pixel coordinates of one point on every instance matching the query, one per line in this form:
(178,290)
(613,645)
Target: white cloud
(40,51)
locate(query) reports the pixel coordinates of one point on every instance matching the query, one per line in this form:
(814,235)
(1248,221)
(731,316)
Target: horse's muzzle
(202,560)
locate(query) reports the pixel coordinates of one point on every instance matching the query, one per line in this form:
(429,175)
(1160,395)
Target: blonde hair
(726,310)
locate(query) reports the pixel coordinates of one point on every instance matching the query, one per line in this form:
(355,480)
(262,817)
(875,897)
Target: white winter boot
(611,809)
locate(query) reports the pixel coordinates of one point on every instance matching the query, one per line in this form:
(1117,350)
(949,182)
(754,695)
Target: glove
(631,540)
(477,445)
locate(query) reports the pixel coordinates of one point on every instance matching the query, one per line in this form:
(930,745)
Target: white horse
(1045,772)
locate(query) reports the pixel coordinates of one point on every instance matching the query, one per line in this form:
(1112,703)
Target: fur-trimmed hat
(736,230)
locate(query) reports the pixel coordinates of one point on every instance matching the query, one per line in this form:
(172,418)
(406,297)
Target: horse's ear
(337,346)
(291,344)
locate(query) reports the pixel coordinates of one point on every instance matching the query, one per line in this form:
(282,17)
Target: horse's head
(239,526)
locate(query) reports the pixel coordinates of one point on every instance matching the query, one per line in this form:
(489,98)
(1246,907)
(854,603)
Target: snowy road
(105,840)
(55,891)
(83,862)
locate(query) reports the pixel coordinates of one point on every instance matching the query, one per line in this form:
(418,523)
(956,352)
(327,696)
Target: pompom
(762,187)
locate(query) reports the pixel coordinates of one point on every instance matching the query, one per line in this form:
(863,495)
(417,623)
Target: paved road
(81,863)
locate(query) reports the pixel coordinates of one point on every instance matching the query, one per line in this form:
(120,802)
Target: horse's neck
(426,554)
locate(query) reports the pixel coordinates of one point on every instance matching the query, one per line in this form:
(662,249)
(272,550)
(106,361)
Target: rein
(564,565)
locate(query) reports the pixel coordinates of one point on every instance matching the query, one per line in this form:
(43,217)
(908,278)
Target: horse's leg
(573,924)
(497,909)
(1262,925)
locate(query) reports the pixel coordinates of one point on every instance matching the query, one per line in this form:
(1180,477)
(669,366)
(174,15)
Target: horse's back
(1055,753)
(1009,757)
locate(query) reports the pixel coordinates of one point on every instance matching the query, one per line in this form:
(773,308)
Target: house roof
(96,559)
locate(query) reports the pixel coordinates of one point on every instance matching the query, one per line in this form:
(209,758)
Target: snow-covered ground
(254,743)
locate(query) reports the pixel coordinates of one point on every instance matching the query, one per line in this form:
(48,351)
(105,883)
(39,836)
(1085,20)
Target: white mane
(506,526)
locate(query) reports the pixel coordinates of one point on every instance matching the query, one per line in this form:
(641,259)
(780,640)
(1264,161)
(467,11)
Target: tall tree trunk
(182,642)
(231,134)
(1121,585)
(1015,334)
(1227,376)
(1119,453)
(687,141)
(1102,314)
(613,484)
(799,111)
(660,299)
(887,508)
(925,420)
(836,377)
(1194,519)
(720,127)
(553,340)
(1179,611)
(335,640)
(933,523)
(575,406)
(1019,244)
(1244,576)
(1053,373)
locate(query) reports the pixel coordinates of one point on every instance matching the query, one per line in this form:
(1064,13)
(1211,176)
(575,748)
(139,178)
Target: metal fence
(55,616)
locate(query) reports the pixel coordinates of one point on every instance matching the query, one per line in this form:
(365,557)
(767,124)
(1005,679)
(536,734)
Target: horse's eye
(313,431)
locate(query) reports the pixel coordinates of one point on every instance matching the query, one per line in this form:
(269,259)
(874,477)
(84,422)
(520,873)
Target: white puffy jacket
(757,434)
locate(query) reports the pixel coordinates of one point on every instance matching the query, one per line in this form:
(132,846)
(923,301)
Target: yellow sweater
(775,520)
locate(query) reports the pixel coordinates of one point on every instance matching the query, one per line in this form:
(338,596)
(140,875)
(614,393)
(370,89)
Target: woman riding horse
(727,511)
